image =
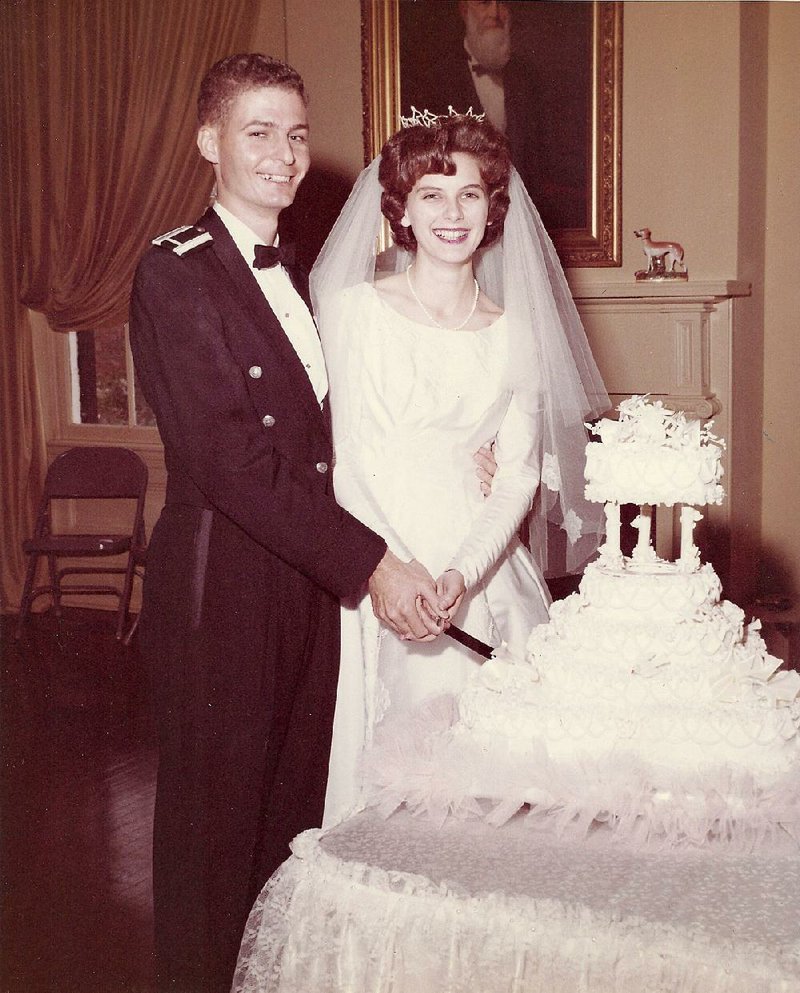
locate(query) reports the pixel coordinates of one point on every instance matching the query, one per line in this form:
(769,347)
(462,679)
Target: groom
(251,554)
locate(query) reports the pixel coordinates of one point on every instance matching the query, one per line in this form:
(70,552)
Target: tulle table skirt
(401,905)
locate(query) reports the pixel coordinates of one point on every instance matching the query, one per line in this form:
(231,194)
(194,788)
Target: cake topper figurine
(664,258)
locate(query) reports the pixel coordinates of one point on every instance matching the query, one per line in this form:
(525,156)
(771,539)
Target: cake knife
(470,642)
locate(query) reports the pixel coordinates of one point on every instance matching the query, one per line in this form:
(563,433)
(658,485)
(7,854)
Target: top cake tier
(653,455)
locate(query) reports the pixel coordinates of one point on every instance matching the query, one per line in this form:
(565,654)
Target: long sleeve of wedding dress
(345,358)
(513,489)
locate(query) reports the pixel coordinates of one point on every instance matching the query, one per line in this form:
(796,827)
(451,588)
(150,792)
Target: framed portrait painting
(546,72)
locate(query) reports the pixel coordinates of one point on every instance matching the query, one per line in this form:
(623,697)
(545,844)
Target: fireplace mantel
(585,289)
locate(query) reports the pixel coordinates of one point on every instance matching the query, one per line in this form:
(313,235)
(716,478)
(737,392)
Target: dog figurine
(662,256)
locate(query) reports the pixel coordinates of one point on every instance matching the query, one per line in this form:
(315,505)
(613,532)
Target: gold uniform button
(267,420)
(255,372)
(322,466)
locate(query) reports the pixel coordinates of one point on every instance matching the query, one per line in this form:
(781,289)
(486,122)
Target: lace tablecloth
(401,905)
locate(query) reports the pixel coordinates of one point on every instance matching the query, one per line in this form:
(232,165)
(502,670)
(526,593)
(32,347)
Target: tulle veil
(548,350)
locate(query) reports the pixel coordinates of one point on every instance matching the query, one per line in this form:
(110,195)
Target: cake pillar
(642,523)
(689,551)
(612,546)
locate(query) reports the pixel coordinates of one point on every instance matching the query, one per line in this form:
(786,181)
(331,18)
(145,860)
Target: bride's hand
(451,589)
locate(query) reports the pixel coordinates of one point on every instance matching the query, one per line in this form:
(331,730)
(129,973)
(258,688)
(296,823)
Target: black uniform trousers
(236,639)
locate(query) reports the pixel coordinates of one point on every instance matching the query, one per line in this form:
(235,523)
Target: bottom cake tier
(645,704)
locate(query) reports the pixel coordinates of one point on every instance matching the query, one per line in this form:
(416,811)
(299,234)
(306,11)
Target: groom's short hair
(236,74)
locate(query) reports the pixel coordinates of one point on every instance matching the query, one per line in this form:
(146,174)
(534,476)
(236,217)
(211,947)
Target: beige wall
(321,39)
(781,464)
(710,146)
(324,44)
(680,125)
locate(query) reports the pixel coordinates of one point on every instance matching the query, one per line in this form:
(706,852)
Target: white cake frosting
(676,682)
(653,455)
(646,703)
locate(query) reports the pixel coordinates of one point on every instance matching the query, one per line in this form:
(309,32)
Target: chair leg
(27,593)
(131,631)
(125,595)
(55,583)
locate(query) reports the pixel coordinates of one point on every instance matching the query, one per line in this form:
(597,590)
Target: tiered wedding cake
(646,704)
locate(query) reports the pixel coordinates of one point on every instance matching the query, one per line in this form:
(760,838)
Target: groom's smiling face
(259,151)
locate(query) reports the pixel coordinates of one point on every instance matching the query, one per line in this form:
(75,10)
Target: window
(104,388)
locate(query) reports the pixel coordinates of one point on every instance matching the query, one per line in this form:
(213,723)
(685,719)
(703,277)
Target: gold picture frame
(595,240)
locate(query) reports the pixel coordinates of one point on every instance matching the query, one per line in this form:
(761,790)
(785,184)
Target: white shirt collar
(245,238)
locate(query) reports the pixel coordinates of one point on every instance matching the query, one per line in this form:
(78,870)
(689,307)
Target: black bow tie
(268,256)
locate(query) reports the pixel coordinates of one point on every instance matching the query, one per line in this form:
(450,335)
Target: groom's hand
(396,588)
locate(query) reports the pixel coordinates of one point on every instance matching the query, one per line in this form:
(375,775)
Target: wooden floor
(78,777)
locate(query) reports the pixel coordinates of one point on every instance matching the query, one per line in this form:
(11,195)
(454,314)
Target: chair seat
(78,544)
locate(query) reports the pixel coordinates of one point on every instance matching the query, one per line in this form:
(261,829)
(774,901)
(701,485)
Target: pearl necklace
(430,316)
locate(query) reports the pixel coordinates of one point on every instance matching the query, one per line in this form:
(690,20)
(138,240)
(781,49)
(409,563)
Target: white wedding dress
(411,405)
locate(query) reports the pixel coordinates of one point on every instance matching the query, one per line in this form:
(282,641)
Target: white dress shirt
(286,302)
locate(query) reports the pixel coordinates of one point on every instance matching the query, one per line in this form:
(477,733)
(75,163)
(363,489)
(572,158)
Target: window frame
(52,357)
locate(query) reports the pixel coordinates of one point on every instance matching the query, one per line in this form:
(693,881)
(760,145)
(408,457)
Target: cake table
(406,906)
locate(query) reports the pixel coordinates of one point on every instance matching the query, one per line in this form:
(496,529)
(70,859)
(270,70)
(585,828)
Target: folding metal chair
(139,559)
(90,473)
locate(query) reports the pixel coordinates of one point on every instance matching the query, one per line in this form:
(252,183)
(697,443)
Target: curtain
(97,103)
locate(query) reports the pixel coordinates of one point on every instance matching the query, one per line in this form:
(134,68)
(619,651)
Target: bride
(472,338)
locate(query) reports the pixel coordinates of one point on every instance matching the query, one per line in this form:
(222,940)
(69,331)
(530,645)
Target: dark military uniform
(240,619)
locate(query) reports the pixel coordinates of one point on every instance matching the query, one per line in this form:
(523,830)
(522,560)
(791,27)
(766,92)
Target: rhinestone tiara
(427,119)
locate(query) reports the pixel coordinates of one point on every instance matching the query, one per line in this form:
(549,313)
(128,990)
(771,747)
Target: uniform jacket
(243,432)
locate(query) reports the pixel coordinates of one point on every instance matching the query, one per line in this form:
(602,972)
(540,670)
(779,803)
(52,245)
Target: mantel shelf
(706,290)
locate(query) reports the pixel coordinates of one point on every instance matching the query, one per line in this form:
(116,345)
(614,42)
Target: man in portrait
(496,58)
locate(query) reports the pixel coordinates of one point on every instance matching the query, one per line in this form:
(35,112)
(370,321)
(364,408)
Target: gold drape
(97,100)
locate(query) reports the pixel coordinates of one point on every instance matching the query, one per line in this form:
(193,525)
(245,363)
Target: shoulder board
(184,239)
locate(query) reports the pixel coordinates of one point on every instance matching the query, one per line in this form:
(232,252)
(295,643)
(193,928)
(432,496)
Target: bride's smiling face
(448,213)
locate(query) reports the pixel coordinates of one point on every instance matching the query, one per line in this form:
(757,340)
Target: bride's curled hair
(419,151)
